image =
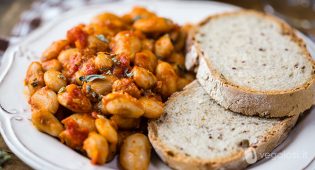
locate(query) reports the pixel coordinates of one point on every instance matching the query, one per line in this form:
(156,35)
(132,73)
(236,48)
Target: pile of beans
(96,89)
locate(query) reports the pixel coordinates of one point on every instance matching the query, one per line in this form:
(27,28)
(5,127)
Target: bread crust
(179,160)
(191,57)
(272,103)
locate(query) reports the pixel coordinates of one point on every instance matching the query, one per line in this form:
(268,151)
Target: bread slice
(254,64)
(196,133)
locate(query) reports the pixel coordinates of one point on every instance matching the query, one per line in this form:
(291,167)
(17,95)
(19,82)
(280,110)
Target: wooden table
(14,163)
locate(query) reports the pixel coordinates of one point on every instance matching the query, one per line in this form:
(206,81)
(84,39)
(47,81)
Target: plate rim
(8,60)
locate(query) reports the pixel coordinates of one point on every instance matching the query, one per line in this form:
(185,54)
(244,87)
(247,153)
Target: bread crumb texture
(255,52)
(196,126)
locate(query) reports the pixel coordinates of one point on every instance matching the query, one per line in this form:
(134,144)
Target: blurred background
(20,17)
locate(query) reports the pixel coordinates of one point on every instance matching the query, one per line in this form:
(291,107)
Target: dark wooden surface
(14,163)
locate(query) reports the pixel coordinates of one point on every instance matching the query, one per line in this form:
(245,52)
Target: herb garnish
(136,18)
(104,69)
(88,88)
(100,116)
(4,157)
(61,90)
(35,82)
(61,76)
(99,106)
(115,61)
(110,54)
(102,38)
(100,97)
(91,77)
(108,72)
(94,94)
(130,74)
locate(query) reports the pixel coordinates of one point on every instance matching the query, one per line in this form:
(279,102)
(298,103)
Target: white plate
(41,151)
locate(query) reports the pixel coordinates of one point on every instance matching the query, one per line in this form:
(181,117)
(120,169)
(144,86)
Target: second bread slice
(195,133)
